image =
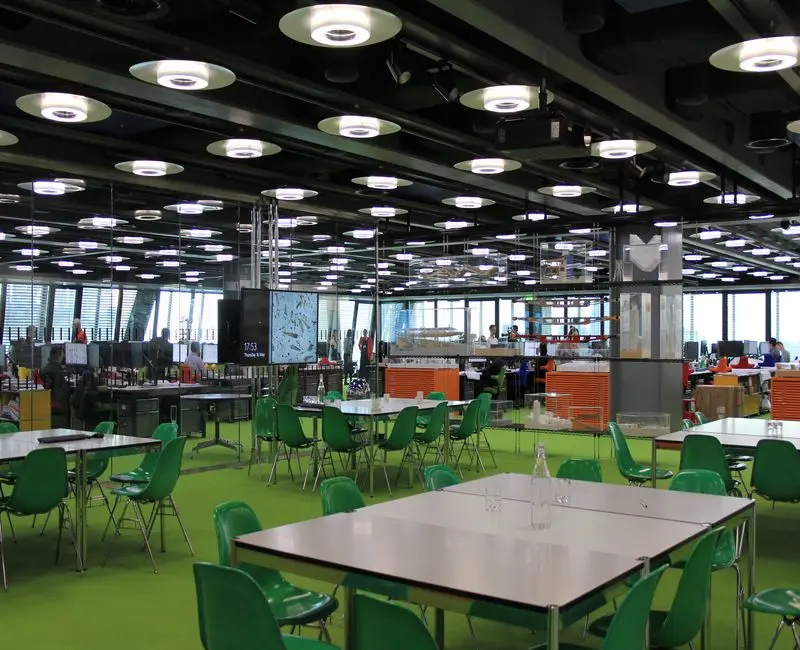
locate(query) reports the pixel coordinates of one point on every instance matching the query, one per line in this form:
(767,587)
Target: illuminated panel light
(709,234)
(758,55)
(735,243)
(30,252)
(131,240)
(782,259)
(530,282)
(531,216)
(113,259)
(452,224)
(385,272)
(517,257)
(522,272)
(192,274)
(382,183)
(592,269)
(36,231)
(597,252)
(760,251)
(739,269)
(169,264)
(197,233)
(688,178)
(628,208)
(289,194)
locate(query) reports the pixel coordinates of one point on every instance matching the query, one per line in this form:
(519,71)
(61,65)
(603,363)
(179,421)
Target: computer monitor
(703,348)
(730,348)
(763,347)
(180,354)
(210,352)
(137,355)
(76,354)
(691,350)
(715,349)
(750,348)
(93,355)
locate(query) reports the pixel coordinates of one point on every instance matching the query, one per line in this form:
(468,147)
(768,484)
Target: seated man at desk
(54,378)
(193,360)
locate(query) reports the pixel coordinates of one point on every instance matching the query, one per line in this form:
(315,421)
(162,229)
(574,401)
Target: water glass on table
(493,496)
(563,492)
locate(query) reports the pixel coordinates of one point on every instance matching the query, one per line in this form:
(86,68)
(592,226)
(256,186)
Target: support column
(647,299)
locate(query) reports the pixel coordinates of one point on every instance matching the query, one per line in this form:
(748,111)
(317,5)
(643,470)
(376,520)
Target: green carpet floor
(125,606)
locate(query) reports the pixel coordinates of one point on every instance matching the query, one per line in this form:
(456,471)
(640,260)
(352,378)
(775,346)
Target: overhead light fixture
(481,251)
(357,126)
(382,182)
(665,224)
(122,267)
(760,252)
(591,269)
(147,215)
(337,267)
(759,274)
(517,257)
(224,257)
(731,199)
(64,107)
(791,231)
(100,223)
(760,217)
(506,236)
(290,193)
(522,272)
(400,74)
(580,231)
(186,208)
(693,257)
(781,259)
(720,264)
(30,252)
(735,243)
(183,75)
(198,280)
(49,188)
(79,272)
(739,269)
(488,165)
(10,198)
(709,234)
(620,149)
(242,148)
(597,252)
(452,224)
(54,187)
(505,99)
(444,83)
(213,248)
(7,139)
(628,208)
(709,276)
(729,279)
(112,259)
(688,178)
(777,277)
(793,127)
(689,271)
(563,246)
(566,191)
(89,245)
(533,216)
(24,267)
(444,262)
(340,25)
(148,276)
(467,202)
(198,233)
(342,260)
(530,282)
(361,233)
(36,231)
(758,55)
(404,257)
(383,211)
(65,264)
(169,264)
(149,167)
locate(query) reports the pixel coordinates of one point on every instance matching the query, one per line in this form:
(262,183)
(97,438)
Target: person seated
(78,335)
(194,361)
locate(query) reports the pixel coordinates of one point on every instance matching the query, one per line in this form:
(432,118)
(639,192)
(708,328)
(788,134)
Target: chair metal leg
(60,529)
(140,524)
(3,556)
(111,520)
(255,453)
(117,533)
(739,597)
(180,523)
(794,633)
(489,447)
(472,633)
(777,634)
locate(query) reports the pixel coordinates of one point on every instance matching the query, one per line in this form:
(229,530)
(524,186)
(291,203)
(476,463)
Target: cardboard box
(709,400)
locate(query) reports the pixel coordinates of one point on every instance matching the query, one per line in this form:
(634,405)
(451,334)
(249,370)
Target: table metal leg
(217,440)
(372,426)
(439,628)
(654,461)
(80,508)
(751,578)
(552,628)
(645,571)
(349,619)
(446,438)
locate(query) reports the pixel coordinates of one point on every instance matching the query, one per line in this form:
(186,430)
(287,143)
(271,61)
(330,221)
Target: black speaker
(229,327)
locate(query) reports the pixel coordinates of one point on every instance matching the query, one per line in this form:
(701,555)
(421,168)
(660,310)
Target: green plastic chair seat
(303,643)
(438,477)
(645,473)
(777,601)
(581,469)
(142,474)
(627,466)
(340,494)
(600,626)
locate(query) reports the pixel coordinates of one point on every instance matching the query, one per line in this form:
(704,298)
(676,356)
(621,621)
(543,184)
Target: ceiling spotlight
(383,211)
(79,272)
(382,182)
(357,126)
(30,252)
(566,191)
(363,233)
(242,148)
(63,107)
(488,165)
(709,276)
(122,267)
(735,243)
(400,74)
(665,224)
(505,99)
(339,25)
(628,208)
(183,75)
(687,178)
(149,167)
(467,202)
(147,215)
(169,264)
(290,193)
(731,199)
(620,149)
(517,257)
(758,55)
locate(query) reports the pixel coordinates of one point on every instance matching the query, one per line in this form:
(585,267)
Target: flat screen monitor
(691,350)
(137,355)
(210,352)
(180,352)
(76,354)
(703,348)
(530,349)
(294,321)
(750,348)
(730,348)
(715,348)
(93,355)
(254,331)
(229,316)
(763,347)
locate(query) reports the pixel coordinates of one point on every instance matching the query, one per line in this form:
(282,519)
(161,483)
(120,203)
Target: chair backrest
(686,424)
(438,477)
(164,432)
(389,627)
(264,417)
(288,426)
(625,461)
(701,419)
(106,428)
(340,494)
(690,604)
(8,427)
(288,388)
(628,628)
(335,429)
(484,409)
(776,470)
(41,481)
(233,612)
(705,452)
(469,421)
(436,395)
(500,379)
(581,469)
(703,481)
(403,429)
(167,470)
(435,425)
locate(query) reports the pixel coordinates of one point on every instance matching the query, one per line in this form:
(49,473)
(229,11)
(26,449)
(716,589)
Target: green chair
(263,430)
(333,395)
(289,388)
(581,469)
(438,477)
(466,432)
(776,471)
(627,626)
(636,473)
(429,439)
(234,614)
(686,424)
(726,553)
(400,439)
(157,492)
(164,432)
(379,624)
(41,486)
(338,438)
(422,418)
(484,414)
(291,440)
(706,452)
(290,605)
(9,475)
(682,623)
(340,494)
(499,381)
(701,419)
(783,602)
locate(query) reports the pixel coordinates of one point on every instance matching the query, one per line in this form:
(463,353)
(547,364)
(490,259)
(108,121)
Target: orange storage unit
(588,389)
(785,398)
(405,382)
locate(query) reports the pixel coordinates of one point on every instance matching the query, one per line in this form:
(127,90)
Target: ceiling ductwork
(144,10)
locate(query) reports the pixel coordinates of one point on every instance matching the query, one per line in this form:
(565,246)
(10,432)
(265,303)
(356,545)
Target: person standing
(78,335)
(492,339)
(365,348)
(347,352)
(333,346)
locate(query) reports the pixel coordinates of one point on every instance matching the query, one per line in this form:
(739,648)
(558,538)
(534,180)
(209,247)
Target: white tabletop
(489,568)
(642,502)
(363,407)
(747,427)
(743,441)
(589,530)
(15,446)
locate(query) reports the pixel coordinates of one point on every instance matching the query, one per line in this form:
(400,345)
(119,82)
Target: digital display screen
(210,353)
(294,322)
(254,330)
(76,354)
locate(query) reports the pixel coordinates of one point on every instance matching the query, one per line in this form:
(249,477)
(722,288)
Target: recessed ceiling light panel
(183,75)
(63,107)
(339,25)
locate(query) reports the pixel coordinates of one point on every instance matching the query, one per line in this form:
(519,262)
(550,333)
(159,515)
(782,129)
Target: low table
(212,399)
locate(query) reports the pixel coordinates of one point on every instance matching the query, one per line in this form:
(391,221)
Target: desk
(212,399)
(16,446)
(35,410)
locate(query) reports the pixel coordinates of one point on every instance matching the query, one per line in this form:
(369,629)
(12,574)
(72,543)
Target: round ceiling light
(10,198)
(383,211)
(504,99)
(64,264)
(242,148)
(488,165)
(665,224)
(517,257)
(731,199)
(627,208)
(620,149)
(149,167)
(30,252)
(148,276)
(688,178)
(357,126)
(186,208)
(758,55)
(36,231)
(452,224)
(183,75)
(198,233)
(290,193)
(533,216)
(295,222)
(100,223)
(63,107)
(339,25)
(147,215)
(7,139)
(467,202)
(382,182)
(88,245)
(363,233)
(55,187)
(132,240)
(567,191)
